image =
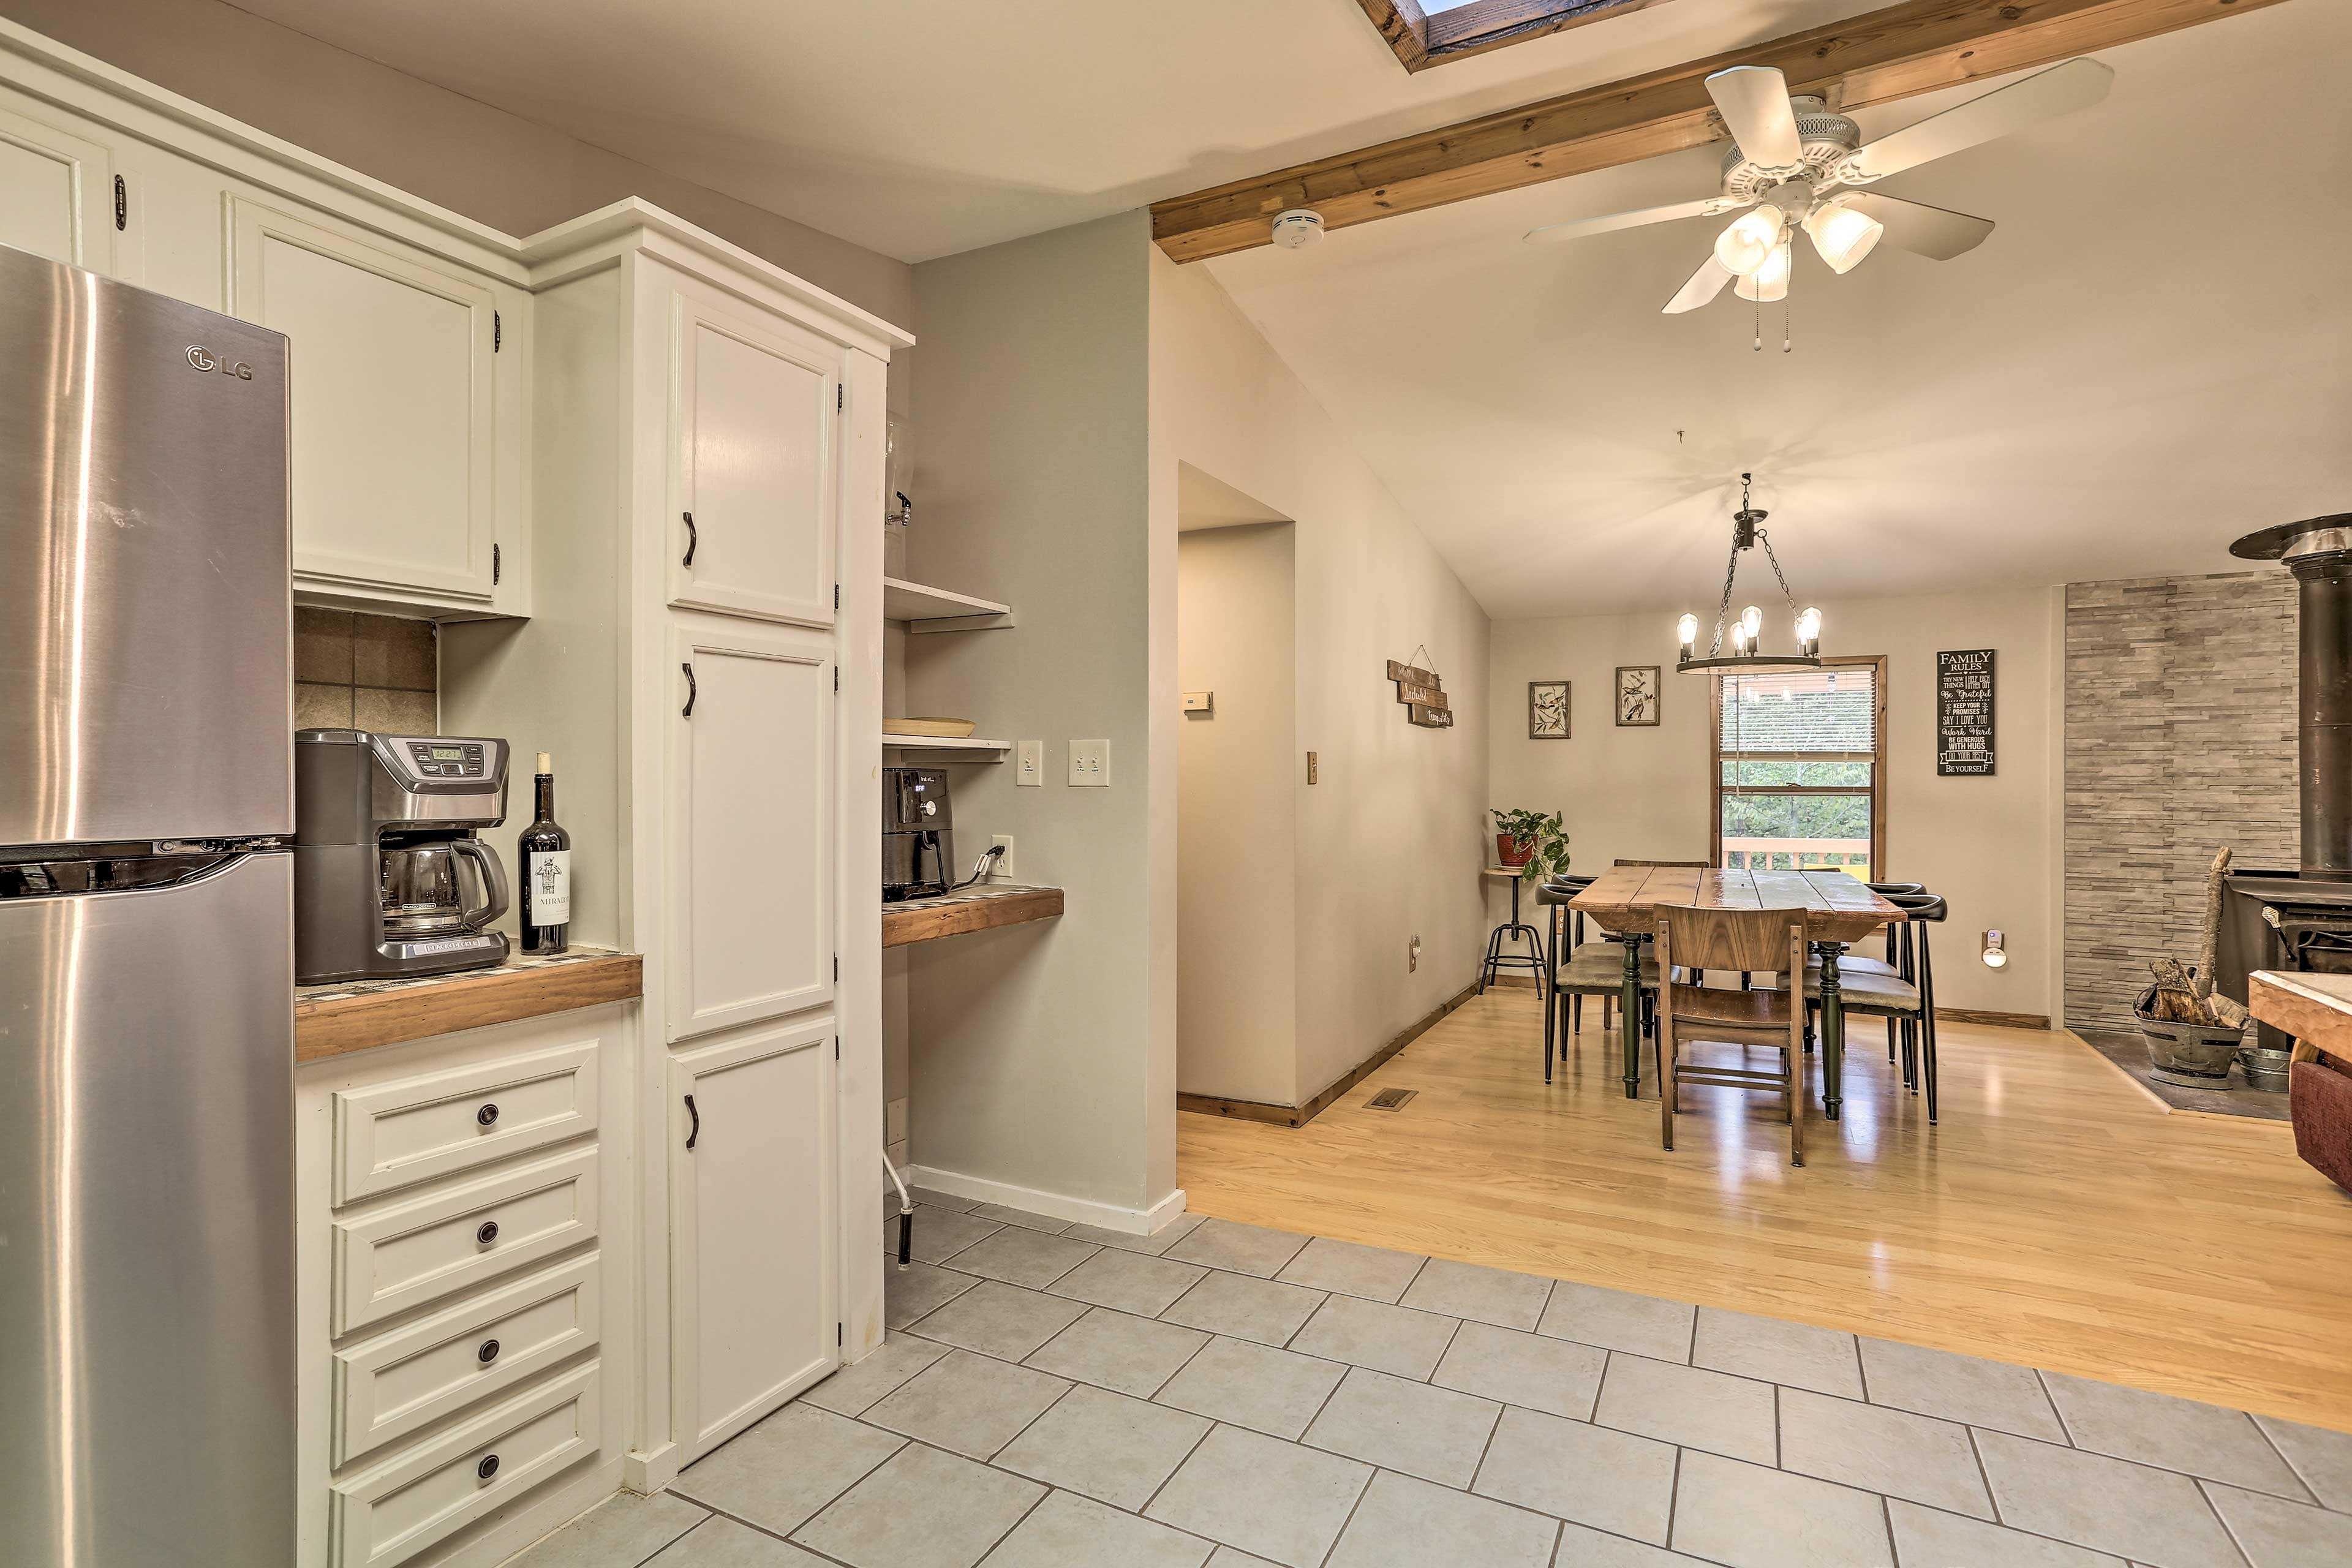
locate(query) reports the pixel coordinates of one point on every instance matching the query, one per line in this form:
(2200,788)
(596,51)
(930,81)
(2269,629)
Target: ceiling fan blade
(1704,285)
(1577,228)
(2061,89)
(1924,230)
(1754,103)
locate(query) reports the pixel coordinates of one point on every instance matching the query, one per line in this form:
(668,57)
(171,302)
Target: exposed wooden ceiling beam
(1903,50)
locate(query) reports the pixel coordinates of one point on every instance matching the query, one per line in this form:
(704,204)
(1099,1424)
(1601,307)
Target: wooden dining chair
(1768,942)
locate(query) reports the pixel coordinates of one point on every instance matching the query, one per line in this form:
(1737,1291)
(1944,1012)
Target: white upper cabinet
(396,407)
(756,436)
(751,828)
(57,192)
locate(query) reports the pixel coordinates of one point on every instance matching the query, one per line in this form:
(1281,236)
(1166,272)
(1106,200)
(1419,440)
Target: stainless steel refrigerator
(147,1401)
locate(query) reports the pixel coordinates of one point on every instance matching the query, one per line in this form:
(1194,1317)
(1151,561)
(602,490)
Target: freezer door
(147,1407)
(145,663)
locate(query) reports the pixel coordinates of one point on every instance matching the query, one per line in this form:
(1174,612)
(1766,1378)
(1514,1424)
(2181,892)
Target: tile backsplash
(365,672)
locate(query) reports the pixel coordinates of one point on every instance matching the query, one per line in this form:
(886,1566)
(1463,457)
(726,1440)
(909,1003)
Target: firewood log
(2209,945)
(2228,1013)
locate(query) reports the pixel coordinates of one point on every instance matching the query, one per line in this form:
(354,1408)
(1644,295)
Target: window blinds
(1832,712)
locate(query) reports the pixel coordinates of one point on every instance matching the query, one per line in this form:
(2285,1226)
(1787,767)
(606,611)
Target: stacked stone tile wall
(2180,739)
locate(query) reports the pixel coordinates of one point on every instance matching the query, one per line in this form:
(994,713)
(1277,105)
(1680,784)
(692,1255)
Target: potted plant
(1533,841)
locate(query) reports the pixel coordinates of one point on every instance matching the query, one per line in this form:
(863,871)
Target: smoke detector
(1299,225)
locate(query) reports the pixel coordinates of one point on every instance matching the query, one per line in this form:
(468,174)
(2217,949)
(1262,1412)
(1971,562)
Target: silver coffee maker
(390,876)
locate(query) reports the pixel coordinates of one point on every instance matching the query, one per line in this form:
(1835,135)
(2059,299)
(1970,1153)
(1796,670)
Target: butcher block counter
(357,1014)
(2316,1009)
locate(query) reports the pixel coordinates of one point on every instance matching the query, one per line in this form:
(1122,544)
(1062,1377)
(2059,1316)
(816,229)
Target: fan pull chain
(1787,343)
(1759,326)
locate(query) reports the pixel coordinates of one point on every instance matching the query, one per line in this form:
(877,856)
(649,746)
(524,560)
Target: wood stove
(2302,918)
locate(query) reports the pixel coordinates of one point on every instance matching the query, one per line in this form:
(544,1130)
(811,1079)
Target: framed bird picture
(1548,709)
(1638,693)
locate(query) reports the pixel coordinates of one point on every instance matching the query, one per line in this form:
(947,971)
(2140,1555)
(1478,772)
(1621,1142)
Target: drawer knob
(487,1116)
(489,1352)
(487,1468)
(488,1233)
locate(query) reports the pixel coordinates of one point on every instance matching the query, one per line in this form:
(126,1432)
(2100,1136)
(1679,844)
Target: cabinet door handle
(692,691)
(692,539)
(487,1116)
(696,1131)
(487,1468)
(487,1234)
(488,1354)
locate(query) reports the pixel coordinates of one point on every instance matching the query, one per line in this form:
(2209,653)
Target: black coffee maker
(917,833)
(390,876)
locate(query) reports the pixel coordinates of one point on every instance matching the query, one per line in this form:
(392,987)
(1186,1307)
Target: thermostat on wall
(1200,702)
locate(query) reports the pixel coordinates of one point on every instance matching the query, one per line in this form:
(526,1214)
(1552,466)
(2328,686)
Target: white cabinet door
(394,411)
(57,192)
(751,827)
(754,1229)
(755,414)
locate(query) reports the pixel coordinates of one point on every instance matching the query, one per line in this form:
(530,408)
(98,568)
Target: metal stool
(1497,960)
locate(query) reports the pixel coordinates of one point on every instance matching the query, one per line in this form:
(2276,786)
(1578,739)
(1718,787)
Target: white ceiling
(2151,355)
(922,128)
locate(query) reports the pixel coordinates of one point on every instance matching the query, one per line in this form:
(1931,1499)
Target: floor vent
(1390,1099)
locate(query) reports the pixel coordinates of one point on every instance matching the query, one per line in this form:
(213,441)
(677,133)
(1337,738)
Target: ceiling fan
(1797,164)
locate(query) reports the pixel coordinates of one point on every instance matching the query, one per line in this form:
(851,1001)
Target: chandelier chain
(1787,593)
(1730,571)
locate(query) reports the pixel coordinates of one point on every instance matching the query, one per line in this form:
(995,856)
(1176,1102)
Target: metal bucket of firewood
(2196,1055)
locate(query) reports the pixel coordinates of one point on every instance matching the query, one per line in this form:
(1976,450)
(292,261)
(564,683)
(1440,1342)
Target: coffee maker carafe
(390,878)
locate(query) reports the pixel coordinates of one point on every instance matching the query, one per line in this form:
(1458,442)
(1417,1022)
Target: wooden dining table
(1838,909)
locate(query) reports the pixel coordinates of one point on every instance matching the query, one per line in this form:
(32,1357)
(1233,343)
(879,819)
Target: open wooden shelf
(984,908)
(928,609)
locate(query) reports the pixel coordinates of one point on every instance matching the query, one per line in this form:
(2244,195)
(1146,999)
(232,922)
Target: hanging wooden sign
(1964,696)
(1423,696)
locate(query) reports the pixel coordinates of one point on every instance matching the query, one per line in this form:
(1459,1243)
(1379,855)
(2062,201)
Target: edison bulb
(1686,630)
(1751,621)
(1739,637)
(1749,243)
(1843,234)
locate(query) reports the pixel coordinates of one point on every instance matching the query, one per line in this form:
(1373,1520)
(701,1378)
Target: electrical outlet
(1090,763)
(1002,871)
(1412,957)
(1030,767)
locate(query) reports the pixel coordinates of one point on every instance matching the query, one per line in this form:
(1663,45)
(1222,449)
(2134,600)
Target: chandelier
(1745,634)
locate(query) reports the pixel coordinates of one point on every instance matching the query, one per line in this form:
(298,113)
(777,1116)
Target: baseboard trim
(1997,1020)
(646,1471)
(1300,1115)
(1053,1206)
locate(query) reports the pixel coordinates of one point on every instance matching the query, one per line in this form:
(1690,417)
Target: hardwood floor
(2054,1217)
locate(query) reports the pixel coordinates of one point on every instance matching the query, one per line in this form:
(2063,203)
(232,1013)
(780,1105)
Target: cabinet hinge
(497,565)
(840,396)
(836,596)
(122,205)
(497,332)
(836,678)
(836,1047)
(836,974)
(838,1336)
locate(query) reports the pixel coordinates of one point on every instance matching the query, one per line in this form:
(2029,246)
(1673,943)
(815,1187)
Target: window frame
(1421,40)
(1876,662)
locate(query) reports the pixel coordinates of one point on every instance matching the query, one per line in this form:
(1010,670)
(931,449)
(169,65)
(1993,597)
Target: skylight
(1425,33)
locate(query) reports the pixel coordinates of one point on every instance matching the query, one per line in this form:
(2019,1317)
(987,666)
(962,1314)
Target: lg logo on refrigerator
(202,358)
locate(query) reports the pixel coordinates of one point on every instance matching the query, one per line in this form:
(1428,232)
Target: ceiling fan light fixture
(1769,283)
(1749,243)
(1843,234)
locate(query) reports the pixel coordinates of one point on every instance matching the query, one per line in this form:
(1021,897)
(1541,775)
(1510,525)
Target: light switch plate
(1090,763)
(1030,767)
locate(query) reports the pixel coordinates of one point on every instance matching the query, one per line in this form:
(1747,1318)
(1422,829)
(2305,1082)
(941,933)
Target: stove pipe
(2318,550)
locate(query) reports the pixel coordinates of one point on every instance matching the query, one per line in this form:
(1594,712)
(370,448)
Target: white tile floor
(1057,1397)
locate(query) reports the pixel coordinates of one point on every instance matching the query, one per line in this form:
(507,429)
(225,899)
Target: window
(1800,764)
(1426,33)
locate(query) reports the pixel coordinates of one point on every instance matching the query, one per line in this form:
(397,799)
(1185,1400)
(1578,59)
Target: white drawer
(418,1127)
(415,1252)
(405,1505)
(393,1384)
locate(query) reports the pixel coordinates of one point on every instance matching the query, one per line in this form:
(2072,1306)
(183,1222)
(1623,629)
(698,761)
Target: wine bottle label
(549,872)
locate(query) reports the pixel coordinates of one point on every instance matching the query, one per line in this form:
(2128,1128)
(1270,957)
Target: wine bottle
(545,851)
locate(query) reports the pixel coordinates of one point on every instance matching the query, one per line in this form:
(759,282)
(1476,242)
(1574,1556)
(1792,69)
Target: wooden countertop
(358,1015)
(984,908)
(2316,1009)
